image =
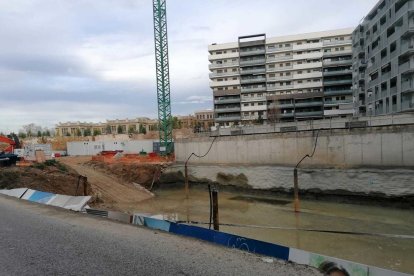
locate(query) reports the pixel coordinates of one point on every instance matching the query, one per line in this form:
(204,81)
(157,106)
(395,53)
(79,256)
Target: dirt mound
(53,178)
(112,184)
(142,174)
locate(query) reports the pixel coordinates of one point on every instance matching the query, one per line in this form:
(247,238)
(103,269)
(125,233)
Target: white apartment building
(295,77)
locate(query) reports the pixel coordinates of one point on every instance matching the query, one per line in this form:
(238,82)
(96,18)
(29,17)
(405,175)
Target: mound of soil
(53,178)
(142,174)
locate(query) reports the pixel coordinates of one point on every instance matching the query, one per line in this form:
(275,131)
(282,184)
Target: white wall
(386,146)
(93,148)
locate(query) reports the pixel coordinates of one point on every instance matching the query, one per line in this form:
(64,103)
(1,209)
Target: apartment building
(282,78)
(383,59)
(117,126)
(204,119)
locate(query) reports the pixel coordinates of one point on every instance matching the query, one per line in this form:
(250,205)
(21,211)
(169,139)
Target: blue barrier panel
(232,241)
(192,231)
(157,224)
(41,197)
(252,245)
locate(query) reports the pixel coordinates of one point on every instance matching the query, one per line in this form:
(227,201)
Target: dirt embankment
(51,177)
(112,184)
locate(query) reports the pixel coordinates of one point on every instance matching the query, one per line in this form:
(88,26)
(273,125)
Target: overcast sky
(91,60)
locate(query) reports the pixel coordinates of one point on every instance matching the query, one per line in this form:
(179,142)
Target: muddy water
(390,253)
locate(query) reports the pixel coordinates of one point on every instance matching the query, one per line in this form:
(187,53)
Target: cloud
(94,60)
(197,100)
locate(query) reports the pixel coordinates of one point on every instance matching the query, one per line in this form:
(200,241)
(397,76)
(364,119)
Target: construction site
(340,187)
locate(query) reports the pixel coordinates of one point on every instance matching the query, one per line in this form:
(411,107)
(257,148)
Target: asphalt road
(42,240)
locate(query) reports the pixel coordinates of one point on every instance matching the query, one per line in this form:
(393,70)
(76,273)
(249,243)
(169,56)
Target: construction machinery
(7,157)
(163,76)
(12,142)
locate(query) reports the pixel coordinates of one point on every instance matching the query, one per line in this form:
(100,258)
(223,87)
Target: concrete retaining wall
(391,146)
(390,182)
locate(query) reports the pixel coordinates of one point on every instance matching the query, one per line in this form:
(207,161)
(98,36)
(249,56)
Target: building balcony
(253,117)
(279,87)
(407,7)
(279,58)
(406,68)
(249,108)
(309,114)
(309,104)
(337,72)
(223,74)
(227,101)
(336,82)
(277,49)
(227,109)
(253,80)
(252,53)
(287,115)
(279,78)
(259,61)
(335,103)
(296,67)
(362,63)
(227,119)
(337,53)
(407,87)
(337,42)
(314,55)
(338,92)
(407,49)
(223,65)
(253,71)
(308,85)
(337,62)
(280,106)
(307,46)
(253,99)
(252,89)
(223,56)
(224,83)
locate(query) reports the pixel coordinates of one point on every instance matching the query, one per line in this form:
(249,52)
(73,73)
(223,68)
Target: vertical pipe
(215,210)
(296,189)
(186,181)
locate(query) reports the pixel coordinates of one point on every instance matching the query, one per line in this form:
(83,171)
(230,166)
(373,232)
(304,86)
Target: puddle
(272,211)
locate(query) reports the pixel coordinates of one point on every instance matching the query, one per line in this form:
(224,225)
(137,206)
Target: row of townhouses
(339,73)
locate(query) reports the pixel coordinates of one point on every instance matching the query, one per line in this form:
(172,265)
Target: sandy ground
(111,192)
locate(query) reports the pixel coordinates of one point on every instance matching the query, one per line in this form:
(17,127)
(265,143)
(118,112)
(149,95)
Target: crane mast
(163,76)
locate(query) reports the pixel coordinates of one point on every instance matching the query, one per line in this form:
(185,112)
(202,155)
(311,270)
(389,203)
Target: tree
(87,132)
(197,127)
(78,132)
(119,130)
(108,129)
(46,133)
(131,130)
(39,133)
(274,112)
(96,132)
(22,135)
(176,123)
(30,129)
(142,129)
(259,120)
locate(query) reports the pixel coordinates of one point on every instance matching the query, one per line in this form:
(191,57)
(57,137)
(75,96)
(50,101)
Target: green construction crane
(163,76)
